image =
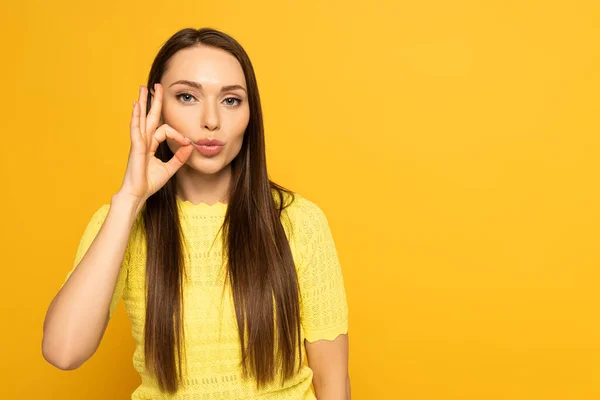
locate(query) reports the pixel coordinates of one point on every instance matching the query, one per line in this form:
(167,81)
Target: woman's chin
(205,165)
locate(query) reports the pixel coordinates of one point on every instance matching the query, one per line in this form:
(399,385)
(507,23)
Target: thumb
(179,158)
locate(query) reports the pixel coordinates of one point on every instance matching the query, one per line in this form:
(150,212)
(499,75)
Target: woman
(225,275)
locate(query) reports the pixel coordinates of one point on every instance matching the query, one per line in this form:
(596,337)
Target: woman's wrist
(127,204)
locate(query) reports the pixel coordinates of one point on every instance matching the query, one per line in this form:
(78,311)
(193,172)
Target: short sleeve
(323,305)
(91,230)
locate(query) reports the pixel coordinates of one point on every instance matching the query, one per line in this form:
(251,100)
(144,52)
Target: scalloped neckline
(217,208)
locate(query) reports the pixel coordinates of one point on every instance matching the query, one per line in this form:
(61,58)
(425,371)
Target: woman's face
(205,97)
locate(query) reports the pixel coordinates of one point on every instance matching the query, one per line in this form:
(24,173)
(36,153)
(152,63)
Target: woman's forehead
(206,65)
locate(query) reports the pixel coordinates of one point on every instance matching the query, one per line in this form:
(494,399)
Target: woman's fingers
(134,125)
(155,109)
(179,158)
(142,101)
(164,132)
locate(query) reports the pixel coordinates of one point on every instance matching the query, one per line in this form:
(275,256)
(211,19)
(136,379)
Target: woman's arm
(328,360)
(78,315)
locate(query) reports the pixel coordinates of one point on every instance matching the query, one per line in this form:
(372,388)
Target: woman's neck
(202,188)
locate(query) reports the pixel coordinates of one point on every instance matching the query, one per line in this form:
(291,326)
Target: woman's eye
(188,98)
(234,99)
(184,96)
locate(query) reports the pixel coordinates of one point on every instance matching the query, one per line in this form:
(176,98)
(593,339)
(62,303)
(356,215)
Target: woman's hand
(146,174)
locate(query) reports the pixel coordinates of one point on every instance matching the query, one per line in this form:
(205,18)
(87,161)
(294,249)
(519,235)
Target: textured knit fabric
(213,354)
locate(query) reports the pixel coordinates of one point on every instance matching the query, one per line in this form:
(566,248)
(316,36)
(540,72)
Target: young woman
(226,276)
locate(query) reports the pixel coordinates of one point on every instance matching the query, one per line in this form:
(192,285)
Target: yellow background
(452,144)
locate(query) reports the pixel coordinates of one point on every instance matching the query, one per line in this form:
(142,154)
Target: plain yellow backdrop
(453,145)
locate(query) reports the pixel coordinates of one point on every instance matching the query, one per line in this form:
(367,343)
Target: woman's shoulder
(302,213)
(296,203)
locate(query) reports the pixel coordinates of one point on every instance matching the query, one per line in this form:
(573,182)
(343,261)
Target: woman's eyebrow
(197,85)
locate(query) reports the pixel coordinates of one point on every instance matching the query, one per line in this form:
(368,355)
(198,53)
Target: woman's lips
(208,150)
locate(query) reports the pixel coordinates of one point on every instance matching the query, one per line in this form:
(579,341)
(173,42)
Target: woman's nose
(210,115)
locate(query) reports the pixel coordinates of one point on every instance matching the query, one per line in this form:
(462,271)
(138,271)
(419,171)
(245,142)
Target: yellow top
(212,341)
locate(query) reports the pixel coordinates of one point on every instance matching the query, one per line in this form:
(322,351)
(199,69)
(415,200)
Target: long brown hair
(259,261)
